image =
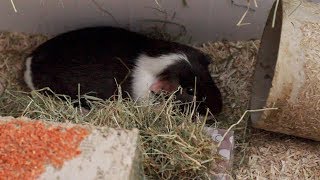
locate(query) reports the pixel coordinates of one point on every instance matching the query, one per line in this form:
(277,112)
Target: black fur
(97,56)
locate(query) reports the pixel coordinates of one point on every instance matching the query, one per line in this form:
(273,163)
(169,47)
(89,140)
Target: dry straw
(13,6)
(173,145)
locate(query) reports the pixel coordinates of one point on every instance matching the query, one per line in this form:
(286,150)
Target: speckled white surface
(105,155)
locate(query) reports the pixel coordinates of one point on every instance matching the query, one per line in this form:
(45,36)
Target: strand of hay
(13,6)
(275,13)
(240,120)
(103,10)
(244,15)
(240,22)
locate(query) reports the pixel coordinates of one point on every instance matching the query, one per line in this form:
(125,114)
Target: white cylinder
(288,71)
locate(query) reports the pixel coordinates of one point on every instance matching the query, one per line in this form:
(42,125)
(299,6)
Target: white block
(106,154)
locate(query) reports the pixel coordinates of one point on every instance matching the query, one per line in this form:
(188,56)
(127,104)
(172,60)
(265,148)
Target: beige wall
(204,19)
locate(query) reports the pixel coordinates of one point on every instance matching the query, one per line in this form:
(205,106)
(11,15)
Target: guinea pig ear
(164,85)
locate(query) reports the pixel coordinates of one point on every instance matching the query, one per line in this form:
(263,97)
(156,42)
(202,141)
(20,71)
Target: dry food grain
(26,147)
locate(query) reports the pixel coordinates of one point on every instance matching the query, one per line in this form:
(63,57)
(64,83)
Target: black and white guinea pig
(100,58)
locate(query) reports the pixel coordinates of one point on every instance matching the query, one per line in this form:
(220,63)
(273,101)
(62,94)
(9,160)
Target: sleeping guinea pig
(101,58)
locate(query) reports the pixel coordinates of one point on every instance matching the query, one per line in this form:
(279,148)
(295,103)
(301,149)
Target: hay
(13,6)
(172,145)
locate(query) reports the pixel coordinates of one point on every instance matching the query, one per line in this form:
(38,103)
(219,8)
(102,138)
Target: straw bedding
(278,156)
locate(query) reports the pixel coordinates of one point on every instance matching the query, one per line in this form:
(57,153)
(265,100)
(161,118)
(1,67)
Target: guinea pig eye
(190,91)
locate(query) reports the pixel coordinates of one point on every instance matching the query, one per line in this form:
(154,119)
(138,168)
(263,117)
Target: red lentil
(26,147)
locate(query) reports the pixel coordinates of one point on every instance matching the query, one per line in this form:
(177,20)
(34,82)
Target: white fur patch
(28,74)
(147,68)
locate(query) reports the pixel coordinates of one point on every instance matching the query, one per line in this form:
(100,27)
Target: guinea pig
(101,58)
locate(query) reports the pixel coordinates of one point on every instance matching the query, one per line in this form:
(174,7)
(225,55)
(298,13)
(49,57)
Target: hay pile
(172,145)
